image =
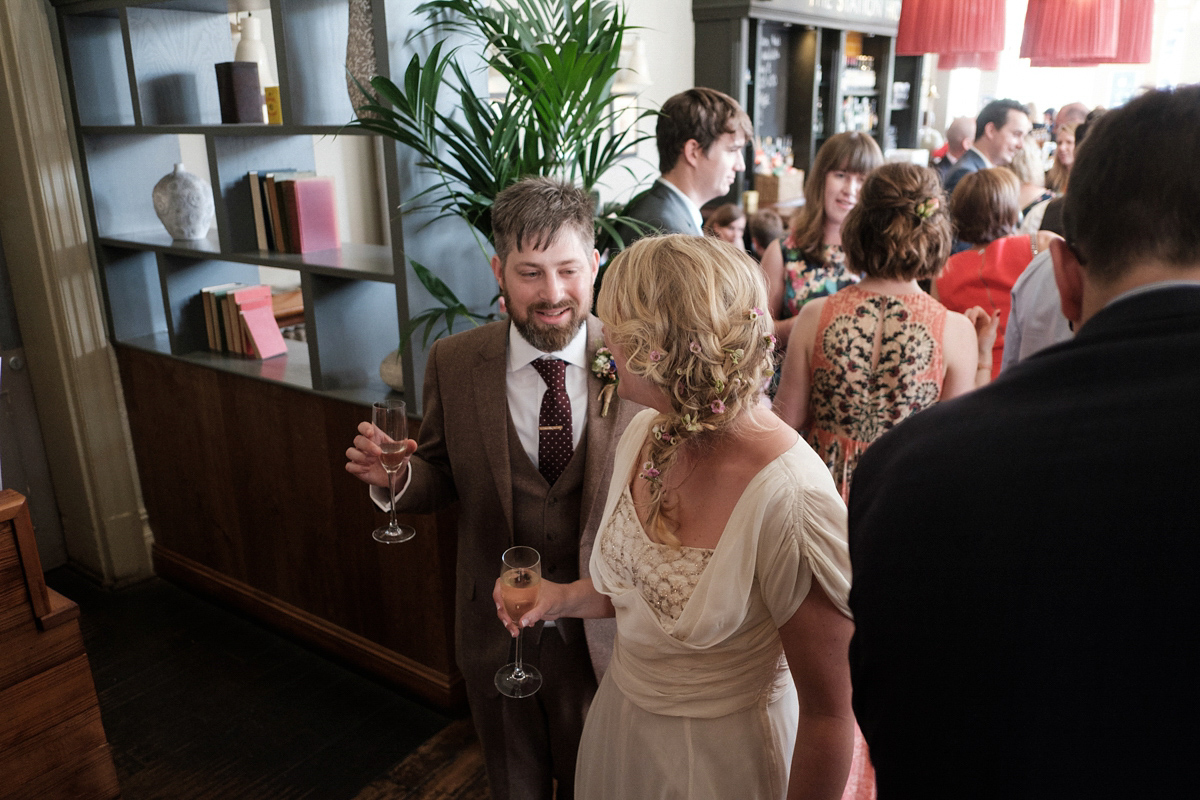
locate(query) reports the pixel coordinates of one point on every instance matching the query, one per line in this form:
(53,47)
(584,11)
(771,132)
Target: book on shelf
(211,297)
(263,339)
(310,208)
(235,300)
(273,207)
(256,203)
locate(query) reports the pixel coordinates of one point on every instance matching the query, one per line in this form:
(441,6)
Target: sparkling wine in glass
(519,585)
(390,419)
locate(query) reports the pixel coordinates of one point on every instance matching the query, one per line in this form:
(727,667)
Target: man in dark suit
(1025,588)
(701,136)
(959,137)
(1000,131)
(485,442)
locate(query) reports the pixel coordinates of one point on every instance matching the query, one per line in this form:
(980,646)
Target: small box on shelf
(780,188)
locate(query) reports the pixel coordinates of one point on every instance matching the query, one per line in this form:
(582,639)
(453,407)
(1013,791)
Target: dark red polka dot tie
(555,440)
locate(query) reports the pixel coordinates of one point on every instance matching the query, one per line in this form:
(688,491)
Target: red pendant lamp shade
(1070,33)
(963,34)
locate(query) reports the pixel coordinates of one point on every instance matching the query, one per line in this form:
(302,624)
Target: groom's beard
(547,338)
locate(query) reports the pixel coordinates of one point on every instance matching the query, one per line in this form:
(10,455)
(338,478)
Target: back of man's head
(961,130)
(1070,114)
(996,112)
(702,114)
(533,212)
(1135,187)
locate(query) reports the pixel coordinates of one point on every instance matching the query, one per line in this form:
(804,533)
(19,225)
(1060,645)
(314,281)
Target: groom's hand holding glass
(363,459)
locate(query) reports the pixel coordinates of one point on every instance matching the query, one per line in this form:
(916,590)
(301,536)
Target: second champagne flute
(520,583)
(390,419)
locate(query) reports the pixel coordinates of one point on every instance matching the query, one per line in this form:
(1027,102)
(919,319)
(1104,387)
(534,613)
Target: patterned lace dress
(698,702)
(877,360)
(805,279)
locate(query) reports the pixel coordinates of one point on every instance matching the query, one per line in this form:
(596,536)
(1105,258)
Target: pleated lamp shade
(1076,33)
(963,34)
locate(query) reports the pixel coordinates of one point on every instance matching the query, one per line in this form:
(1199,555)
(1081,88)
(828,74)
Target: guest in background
(1000,131)
(1033,195)
(1025,593)
(765,226)
(810,262)
(959,137)
(701,135)
(728,223)
(985,213)
(881,350)
(1064,157)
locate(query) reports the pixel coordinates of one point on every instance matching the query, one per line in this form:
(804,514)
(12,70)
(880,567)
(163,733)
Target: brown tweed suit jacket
(463,455)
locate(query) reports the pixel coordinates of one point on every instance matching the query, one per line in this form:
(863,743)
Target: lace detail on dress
(663,575)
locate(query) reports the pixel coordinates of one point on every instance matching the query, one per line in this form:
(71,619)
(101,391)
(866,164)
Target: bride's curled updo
(689,313)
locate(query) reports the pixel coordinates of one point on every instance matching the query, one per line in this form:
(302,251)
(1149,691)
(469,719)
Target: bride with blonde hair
(722,553)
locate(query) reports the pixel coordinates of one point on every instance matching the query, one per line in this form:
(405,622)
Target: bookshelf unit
(266,519)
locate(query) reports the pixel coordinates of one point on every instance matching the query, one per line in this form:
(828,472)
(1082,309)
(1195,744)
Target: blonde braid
(687,312)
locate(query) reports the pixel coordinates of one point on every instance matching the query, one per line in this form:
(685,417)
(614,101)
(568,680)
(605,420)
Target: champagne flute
(519,585)
(390,419)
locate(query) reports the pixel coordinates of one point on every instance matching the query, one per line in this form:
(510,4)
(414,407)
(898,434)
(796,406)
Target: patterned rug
(447,767)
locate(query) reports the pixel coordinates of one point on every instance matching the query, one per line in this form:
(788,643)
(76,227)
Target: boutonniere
(604,367)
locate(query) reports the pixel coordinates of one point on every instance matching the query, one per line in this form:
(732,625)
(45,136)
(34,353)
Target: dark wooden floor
(199,702)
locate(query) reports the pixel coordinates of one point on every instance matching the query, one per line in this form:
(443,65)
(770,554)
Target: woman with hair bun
(722,549)
(881,350)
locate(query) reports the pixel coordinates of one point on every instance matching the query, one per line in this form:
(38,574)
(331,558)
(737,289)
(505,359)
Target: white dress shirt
(525,388)
(692,208)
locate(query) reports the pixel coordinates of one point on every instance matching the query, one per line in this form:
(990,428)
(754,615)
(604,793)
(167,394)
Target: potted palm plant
(554,114)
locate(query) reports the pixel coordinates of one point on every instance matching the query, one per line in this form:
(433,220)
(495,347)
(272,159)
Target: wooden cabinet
(240,460)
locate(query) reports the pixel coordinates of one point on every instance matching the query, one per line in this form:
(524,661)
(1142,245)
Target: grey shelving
(140,77)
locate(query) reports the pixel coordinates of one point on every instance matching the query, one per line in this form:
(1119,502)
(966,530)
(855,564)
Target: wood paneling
(246,491)
(52,742)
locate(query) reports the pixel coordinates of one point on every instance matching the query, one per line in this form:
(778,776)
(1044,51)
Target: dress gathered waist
(705,683)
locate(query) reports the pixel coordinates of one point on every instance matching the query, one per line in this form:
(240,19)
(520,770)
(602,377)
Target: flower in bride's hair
(769,342)
(662,433)
(656,356)
(735,355)
(694,347)
(755,313)
(690,423)
(718,406)
(649,472)
(718,385)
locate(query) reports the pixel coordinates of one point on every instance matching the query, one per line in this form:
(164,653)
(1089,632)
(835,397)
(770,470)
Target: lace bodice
(665,576)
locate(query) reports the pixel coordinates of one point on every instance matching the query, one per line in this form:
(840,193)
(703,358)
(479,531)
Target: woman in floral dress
(881,350)
(809,262)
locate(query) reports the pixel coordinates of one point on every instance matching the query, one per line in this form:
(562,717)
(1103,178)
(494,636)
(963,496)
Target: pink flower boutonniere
(604,367)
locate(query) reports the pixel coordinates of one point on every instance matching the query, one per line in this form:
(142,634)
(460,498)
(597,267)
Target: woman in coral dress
(722,554)
(878,352)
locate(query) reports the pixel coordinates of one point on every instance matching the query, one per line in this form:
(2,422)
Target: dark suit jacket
(1025,590)
(662,210)
(970,162)
(463,455)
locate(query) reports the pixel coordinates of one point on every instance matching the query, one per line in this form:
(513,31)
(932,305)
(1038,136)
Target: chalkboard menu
(770,79)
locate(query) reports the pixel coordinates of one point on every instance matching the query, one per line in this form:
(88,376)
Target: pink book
(314,222)
(238,300)
(265,339)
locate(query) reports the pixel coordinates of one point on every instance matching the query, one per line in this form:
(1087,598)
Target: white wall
(670,37)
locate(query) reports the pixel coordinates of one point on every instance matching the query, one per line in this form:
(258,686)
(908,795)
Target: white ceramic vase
(184,204)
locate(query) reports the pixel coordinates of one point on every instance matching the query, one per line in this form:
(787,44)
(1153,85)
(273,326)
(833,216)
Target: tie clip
(550,427)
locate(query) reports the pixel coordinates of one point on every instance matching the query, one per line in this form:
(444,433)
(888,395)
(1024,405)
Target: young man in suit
(485,442)
(701,135)
(1025,595)
(1000,131)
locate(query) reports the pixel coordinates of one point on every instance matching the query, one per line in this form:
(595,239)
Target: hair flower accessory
(695,347)
(650,473)
(656,356)
(735,355)
(770,342)
(718,406)
(755,313)
(690,423)
(663,434)
(604,367)
(718,387)
(928,207)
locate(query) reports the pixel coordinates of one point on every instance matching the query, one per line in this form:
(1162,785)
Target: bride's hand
(547,607)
